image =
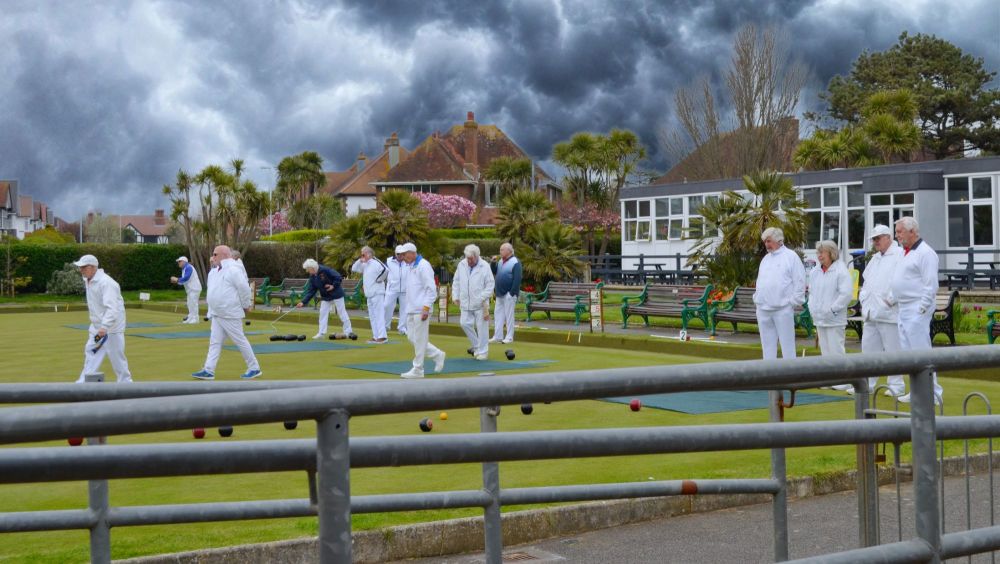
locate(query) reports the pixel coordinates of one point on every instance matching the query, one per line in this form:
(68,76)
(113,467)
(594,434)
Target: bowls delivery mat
(296,346)
(451,366)
(187,334)
(696,403)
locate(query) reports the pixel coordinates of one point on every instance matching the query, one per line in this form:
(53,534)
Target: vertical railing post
(98,501)
(333,469)
(867,477)
(492,525)
(925,464)
(971,269)
(780,503)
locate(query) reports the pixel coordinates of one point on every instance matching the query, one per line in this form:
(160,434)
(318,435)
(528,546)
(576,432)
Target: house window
(636,214)
(413,188)
(970,211)
(669,219)
(856,217)
(492,194)
(822,214)
(885,209)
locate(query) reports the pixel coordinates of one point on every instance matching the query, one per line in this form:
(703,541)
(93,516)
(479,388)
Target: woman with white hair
(830,292)
(471,290)
(781,285)
(325,281)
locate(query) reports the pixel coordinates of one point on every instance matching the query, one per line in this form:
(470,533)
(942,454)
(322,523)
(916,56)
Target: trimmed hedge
(278,261)
(298,236)
(135,267)
(467,233)
(487,247)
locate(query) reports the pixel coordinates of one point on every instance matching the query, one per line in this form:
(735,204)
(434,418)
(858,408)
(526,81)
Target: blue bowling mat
(451,366)
(696,403)
(297,346)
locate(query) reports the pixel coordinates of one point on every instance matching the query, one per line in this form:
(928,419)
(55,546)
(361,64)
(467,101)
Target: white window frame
(971,202)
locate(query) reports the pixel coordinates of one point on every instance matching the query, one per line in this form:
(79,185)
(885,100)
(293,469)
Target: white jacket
(105,303)
(396,283)
(371,271)
(830,293)
(915,282)
(228,291)
(421,290)
(472,287)
(876,292)
(781,280)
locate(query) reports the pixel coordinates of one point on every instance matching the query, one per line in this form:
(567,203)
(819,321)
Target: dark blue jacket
(317,283)
(508,278)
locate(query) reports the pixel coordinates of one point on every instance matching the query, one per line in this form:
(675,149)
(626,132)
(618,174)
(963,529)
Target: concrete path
(817,525)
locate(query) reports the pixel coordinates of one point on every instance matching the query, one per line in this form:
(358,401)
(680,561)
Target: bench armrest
(638,299)
(993,314)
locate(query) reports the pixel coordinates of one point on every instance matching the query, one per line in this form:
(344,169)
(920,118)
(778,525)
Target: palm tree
(520,210)
(551,252)
(732,259)
(509,174)
(299,176)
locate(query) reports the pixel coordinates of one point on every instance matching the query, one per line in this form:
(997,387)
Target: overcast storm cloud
(102,103)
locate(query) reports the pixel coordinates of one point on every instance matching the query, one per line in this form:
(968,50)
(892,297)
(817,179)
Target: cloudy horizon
(103,103)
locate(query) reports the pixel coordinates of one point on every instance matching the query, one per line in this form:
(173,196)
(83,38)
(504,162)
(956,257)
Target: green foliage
(487,247)
(598,166)
(520,210)
(509,174)
(135,267)
(102,230)
(319,211)
(13,262)
(399,218)
(66,282)
(299,176)
(298,236)
(953,102)
(467,233)
(551,253)
(733,259)
(278,261)
(48,236)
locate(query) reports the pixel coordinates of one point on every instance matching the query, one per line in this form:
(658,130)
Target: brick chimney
(471,143)
(362,161)
(159,218)
(392,147)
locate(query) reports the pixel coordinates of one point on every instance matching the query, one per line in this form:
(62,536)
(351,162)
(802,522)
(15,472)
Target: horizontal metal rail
(914,550)
(281,508)
(103,418)
(59,393)
(51,464)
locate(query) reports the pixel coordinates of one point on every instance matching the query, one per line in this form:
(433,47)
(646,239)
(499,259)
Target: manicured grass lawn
(38,348)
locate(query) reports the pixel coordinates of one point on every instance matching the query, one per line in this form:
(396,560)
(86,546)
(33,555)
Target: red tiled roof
(377,169)
(145,224)
(25,206)
(4,193)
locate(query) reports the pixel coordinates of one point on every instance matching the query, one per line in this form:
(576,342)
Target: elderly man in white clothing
(830,292)
(229,299)
(373,277)
(508,286)
(421,291)
(781,285)
(395,290)
(471,290)
(914,288)
(106,335)
(881,318)
(192,286)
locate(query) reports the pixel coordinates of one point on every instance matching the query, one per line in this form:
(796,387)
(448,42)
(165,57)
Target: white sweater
(472,287)
(228,291)
(370,271)
(421,290)
(104,303)
(915,281)
(396,283)
(830,293)
(781,280)
(876,293)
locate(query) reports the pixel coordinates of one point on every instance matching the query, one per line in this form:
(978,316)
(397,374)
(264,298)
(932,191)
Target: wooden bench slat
(561,296)
(686,302)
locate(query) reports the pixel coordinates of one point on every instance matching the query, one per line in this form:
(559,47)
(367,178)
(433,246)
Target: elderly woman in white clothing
(830,292)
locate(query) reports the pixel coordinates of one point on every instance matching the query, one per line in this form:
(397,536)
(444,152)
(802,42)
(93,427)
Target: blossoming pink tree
(447,211)
(276,223)
(590,220)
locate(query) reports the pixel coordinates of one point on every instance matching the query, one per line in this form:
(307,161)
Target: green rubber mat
(139,325)
(297,346)
(696,403)
(187,334)
(451,366)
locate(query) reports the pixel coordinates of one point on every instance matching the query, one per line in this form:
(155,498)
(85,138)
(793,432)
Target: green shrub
(298,236)
(487,247)
(135,267)
(66,282)
(467,233)
(278,261)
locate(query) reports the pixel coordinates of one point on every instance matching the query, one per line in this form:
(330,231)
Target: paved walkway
(817,525)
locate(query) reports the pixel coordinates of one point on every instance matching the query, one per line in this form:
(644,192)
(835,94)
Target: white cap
(409,247)
(880,230)
(399,249)
(86,260)
(185,259)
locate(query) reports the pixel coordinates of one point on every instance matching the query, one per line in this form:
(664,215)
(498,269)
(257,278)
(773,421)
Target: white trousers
(879,337)
(231,327)
(418,334)
(324,315)
(390,306)
(192,303)
(477,330)
(114,349)
(376,315)
(915,333)
(776,326)
(503,315)
(831,340)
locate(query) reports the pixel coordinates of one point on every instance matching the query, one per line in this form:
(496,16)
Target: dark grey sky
(102,102)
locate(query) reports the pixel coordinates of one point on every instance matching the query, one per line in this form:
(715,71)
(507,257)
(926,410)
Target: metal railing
(329,459)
